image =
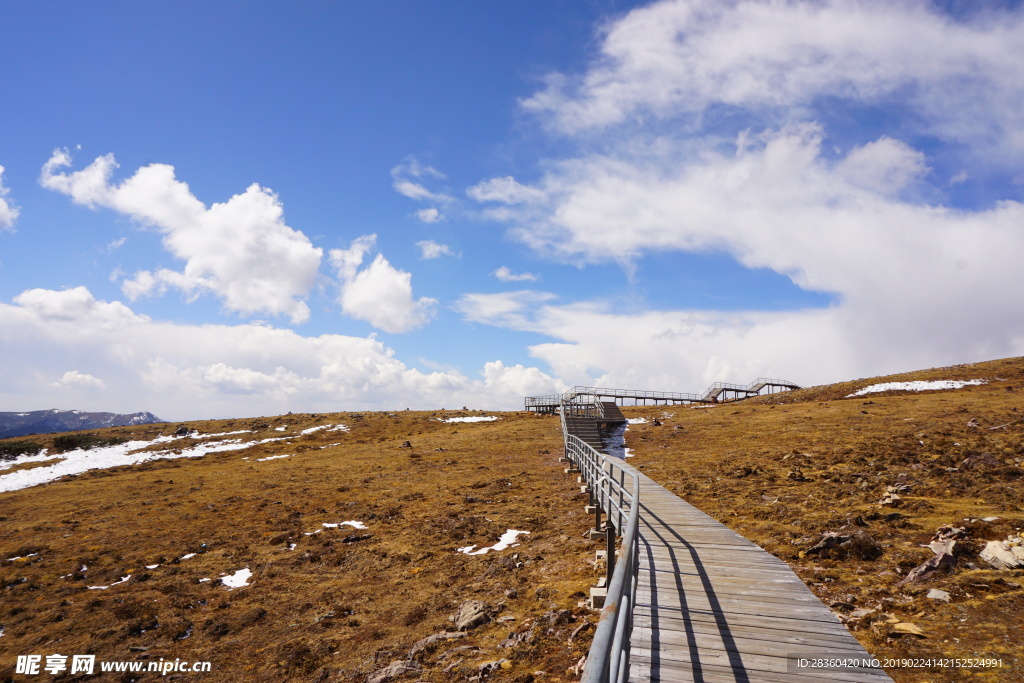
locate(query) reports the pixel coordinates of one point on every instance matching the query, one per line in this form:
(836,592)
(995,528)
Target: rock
(862,612)
(406,444)
(393,670)
(936,594)
(471,614)
(182,431)
(939,563)
(905,628)
(436,638)
(891,499)
(999,555)
(980,461)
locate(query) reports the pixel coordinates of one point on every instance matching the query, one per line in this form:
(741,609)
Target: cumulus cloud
(73,379)
(409,179)
(181,371)
(380,294)
(429,249)
(680,58)
(240,250)
(8,211)
(505,274)
(430,215)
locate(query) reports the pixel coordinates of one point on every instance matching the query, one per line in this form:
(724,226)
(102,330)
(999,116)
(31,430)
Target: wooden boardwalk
(713,606)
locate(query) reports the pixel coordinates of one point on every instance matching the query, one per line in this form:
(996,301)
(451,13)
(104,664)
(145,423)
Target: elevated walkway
(717,392)
(706,604)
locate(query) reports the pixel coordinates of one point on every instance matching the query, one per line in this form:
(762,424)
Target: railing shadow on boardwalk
(729,643)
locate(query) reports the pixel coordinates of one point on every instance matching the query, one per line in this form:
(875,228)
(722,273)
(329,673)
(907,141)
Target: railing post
(610,534)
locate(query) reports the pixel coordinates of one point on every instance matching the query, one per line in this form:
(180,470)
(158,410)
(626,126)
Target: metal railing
(608,659)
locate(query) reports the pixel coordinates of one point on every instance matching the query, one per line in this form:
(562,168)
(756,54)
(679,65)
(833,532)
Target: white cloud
(430,215)
(181,371)
(116,244)
(240,250)
(683,57)
(8,211)
(513,310)
(429,249)
(505,274)
(73,379)
(408,180)
(503,190)
(380,294)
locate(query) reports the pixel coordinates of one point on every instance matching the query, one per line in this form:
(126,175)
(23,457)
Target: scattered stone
(1001,555)
(471,613)
(940,563)
(406,444)
(424,643)
(936,594)
(182,431)
(905,628)
(393,670)
(980,461)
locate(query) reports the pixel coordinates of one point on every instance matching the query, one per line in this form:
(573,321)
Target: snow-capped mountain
(48,421)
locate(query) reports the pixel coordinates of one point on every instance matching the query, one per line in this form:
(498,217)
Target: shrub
(70,442)
(9,450)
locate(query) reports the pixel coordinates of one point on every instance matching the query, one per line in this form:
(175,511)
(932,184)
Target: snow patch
(507,540)
(934,385)
(273,457)
(103,588)
(238,579)
(480,418)
(637,420)
(615,443)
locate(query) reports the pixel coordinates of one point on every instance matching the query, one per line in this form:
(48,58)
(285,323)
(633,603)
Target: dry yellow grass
(780,470)
(337,606)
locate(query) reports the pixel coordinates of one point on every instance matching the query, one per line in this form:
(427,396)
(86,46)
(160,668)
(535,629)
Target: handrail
(608,659)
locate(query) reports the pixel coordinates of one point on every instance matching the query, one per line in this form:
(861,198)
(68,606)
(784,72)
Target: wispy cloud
(429,249)
(505,274)
(8,211)
(410,177)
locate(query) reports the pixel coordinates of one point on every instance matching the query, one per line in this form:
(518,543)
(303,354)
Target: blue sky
(250,208)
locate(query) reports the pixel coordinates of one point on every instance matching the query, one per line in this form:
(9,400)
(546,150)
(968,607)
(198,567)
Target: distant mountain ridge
(49,421)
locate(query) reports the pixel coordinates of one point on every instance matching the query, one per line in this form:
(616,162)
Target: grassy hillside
(784,469)
(342,602)
(337,604)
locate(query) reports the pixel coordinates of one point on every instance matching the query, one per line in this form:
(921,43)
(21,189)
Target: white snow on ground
(103,588)
(12,559)
(313,429)
(41,456)
(352,523)
(280,429)
(238,579)
(338,428)
(78,461)
(637,420)
(273,457)
(330,525)
(481,418)
(197,435)
(918,386)
(152,566)
(185,557)
(615,443)
(706,405)
(507,540)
